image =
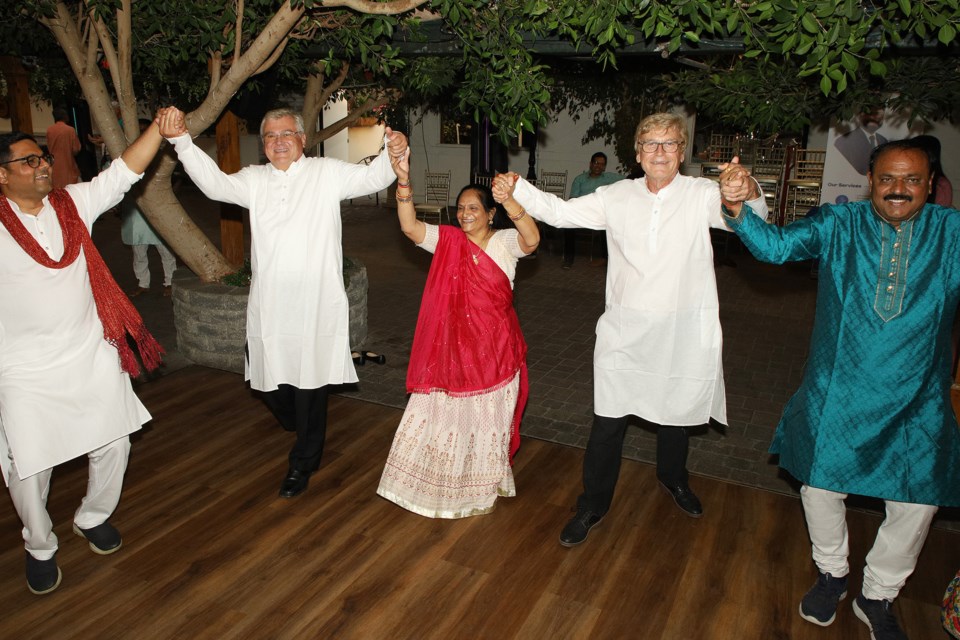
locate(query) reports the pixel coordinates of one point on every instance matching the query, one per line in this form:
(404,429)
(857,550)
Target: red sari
(468,339)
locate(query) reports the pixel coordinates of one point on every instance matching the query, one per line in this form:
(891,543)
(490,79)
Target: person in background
(139,234)
(942,191)
(584,184)
(658,351)
(872,415)
(452,453)
(65,360)
(298,331)
(64,144)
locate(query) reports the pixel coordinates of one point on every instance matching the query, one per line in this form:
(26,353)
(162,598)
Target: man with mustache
(65,362)
(872,415)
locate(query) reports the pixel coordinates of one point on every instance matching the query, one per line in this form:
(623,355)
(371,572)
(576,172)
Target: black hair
(598,154)
(10,139)
(500,218)
(901,145)
(60,115)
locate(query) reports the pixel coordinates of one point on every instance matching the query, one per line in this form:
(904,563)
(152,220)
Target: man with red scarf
(65,363)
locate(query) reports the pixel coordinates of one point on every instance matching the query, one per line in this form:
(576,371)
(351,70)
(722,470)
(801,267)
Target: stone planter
(211,318)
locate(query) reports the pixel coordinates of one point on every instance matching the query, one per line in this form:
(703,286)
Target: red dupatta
(468,339)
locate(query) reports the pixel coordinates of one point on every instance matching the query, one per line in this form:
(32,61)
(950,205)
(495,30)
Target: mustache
(898,196)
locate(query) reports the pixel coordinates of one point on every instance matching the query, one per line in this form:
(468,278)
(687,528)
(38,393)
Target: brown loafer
(139,291)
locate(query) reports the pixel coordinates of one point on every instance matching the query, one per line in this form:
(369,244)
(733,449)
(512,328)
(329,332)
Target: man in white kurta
(62,390)
(658,351)
(298,338)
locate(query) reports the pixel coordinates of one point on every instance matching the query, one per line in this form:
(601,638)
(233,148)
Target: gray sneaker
(819,606)
(878,615)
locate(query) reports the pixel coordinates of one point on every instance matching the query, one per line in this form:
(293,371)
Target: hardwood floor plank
(211,551)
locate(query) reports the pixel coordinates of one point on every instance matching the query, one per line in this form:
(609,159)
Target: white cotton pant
(141,265)
(893,556)
(106,467)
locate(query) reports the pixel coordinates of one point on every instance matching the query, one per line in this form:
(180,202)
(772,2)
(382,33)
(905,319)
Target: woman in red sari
(467,377)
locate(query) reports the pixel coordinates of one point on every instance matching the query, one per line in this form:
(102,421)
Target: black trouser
(303,411)
(601,462)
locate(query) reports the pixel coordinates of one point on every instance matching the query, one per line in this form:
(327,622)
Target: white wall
(427,154)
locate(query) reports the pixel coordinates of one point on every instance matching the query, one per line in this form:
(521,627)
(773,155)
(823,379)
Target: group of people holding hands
(871,416)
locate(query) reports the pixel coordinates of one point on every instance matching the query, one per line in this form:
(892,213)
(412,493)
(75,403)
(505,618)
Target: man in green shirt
(585,184)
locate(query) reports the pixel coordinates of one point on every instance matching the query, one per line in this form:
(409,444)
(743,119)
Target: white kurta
(297,314)
(658,351)
(62,391)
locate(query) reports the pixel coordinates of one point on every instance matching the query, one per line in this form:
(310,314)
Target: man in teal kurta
(872,415)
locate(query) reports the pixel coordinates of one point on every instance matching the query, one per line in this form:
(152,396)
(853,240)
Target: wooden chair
(723,147)
(436,193)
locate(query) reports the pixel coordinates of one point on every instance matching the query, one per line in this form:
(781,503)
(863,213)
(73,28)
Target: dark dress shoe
(577,529)
(685,499)
(295,483)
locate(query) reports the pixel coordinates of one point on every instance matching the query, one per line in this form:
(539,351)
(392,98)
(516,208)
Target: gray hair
(277,114)
(662,121)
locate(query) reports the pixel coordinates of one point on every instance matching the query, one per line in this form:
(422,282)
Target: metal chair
(486,181)
(803,189)
(554,182)
(768,169)
(436,193)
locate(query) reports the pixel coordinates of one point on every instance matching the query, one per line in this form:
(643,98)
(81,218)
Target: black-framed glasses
(650,146)
(33,160)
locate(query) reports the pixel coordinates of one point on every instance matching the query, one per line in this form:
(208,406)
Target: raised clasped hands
(171,121)
(503,185)
(396,144)
(735,183)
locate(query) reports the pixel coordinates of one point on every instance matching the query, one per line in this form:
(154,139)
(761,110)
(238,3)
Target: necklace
(481,245)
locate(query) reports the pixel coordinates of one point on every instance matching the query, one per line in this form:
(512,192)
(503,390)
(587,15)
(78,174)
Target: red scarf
(117,314)
(468,339)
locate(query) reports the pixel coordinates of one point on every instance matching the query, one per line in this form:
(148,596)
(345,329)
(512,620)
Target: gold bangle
(519,216)
(405,199)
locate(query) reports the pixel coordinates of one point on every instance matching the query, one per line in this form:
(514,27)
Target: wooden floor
(211,551)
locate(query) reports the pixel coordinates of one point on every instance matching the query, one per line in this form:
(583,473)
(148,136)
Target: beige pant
(104,482)
(894,554)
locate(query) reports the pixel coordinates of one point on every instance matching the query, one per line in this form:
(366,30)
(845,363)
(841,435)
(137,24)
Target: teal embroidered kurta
(872,415)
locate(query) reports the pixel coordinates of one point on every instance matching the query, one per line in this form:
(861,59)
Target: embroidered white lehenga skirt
(451,454)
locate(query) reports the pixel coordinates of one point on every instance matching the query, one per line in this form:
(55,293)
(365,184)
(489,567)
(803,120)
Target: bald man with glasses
(658,350)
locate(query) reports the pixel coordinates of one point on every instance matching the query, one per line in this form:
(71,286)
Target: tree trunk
(171,221)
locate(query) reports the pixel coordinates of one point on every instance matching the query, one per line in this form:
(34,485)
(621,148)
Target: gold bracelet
(519,216)
(402,184)
(405,199)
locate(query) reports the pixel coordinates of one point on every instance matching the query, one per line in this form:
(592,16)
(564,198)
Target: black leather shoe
(295,483)
(43,576)
(577,529)
(685,499)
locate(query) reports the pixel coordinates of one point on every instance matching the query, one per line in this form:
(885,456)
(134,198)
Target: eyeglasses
(273,136)
(650,146)
(33,160)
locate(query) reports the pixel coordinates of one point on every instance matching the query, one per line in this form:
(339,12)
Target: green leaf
(946,34)
(825,85)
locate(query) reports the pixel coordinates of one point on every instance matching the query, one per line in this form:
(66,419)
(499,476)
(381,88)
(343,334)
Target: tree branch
(378,8)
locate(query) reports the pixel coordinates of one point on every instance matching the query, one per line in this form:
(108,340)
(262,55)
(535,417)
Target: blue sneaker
(819,606)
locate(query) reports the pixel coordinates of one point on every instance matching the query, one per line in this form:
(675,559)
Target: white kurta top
(297,313)
(62,391)
(658,351)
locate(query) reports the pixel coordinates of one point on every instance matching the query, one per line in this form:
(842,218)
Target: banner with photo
(849,145)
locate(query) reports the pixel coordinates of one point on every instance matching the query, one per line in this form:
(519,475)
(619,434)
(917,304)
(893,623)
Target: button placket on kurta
(892,272)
